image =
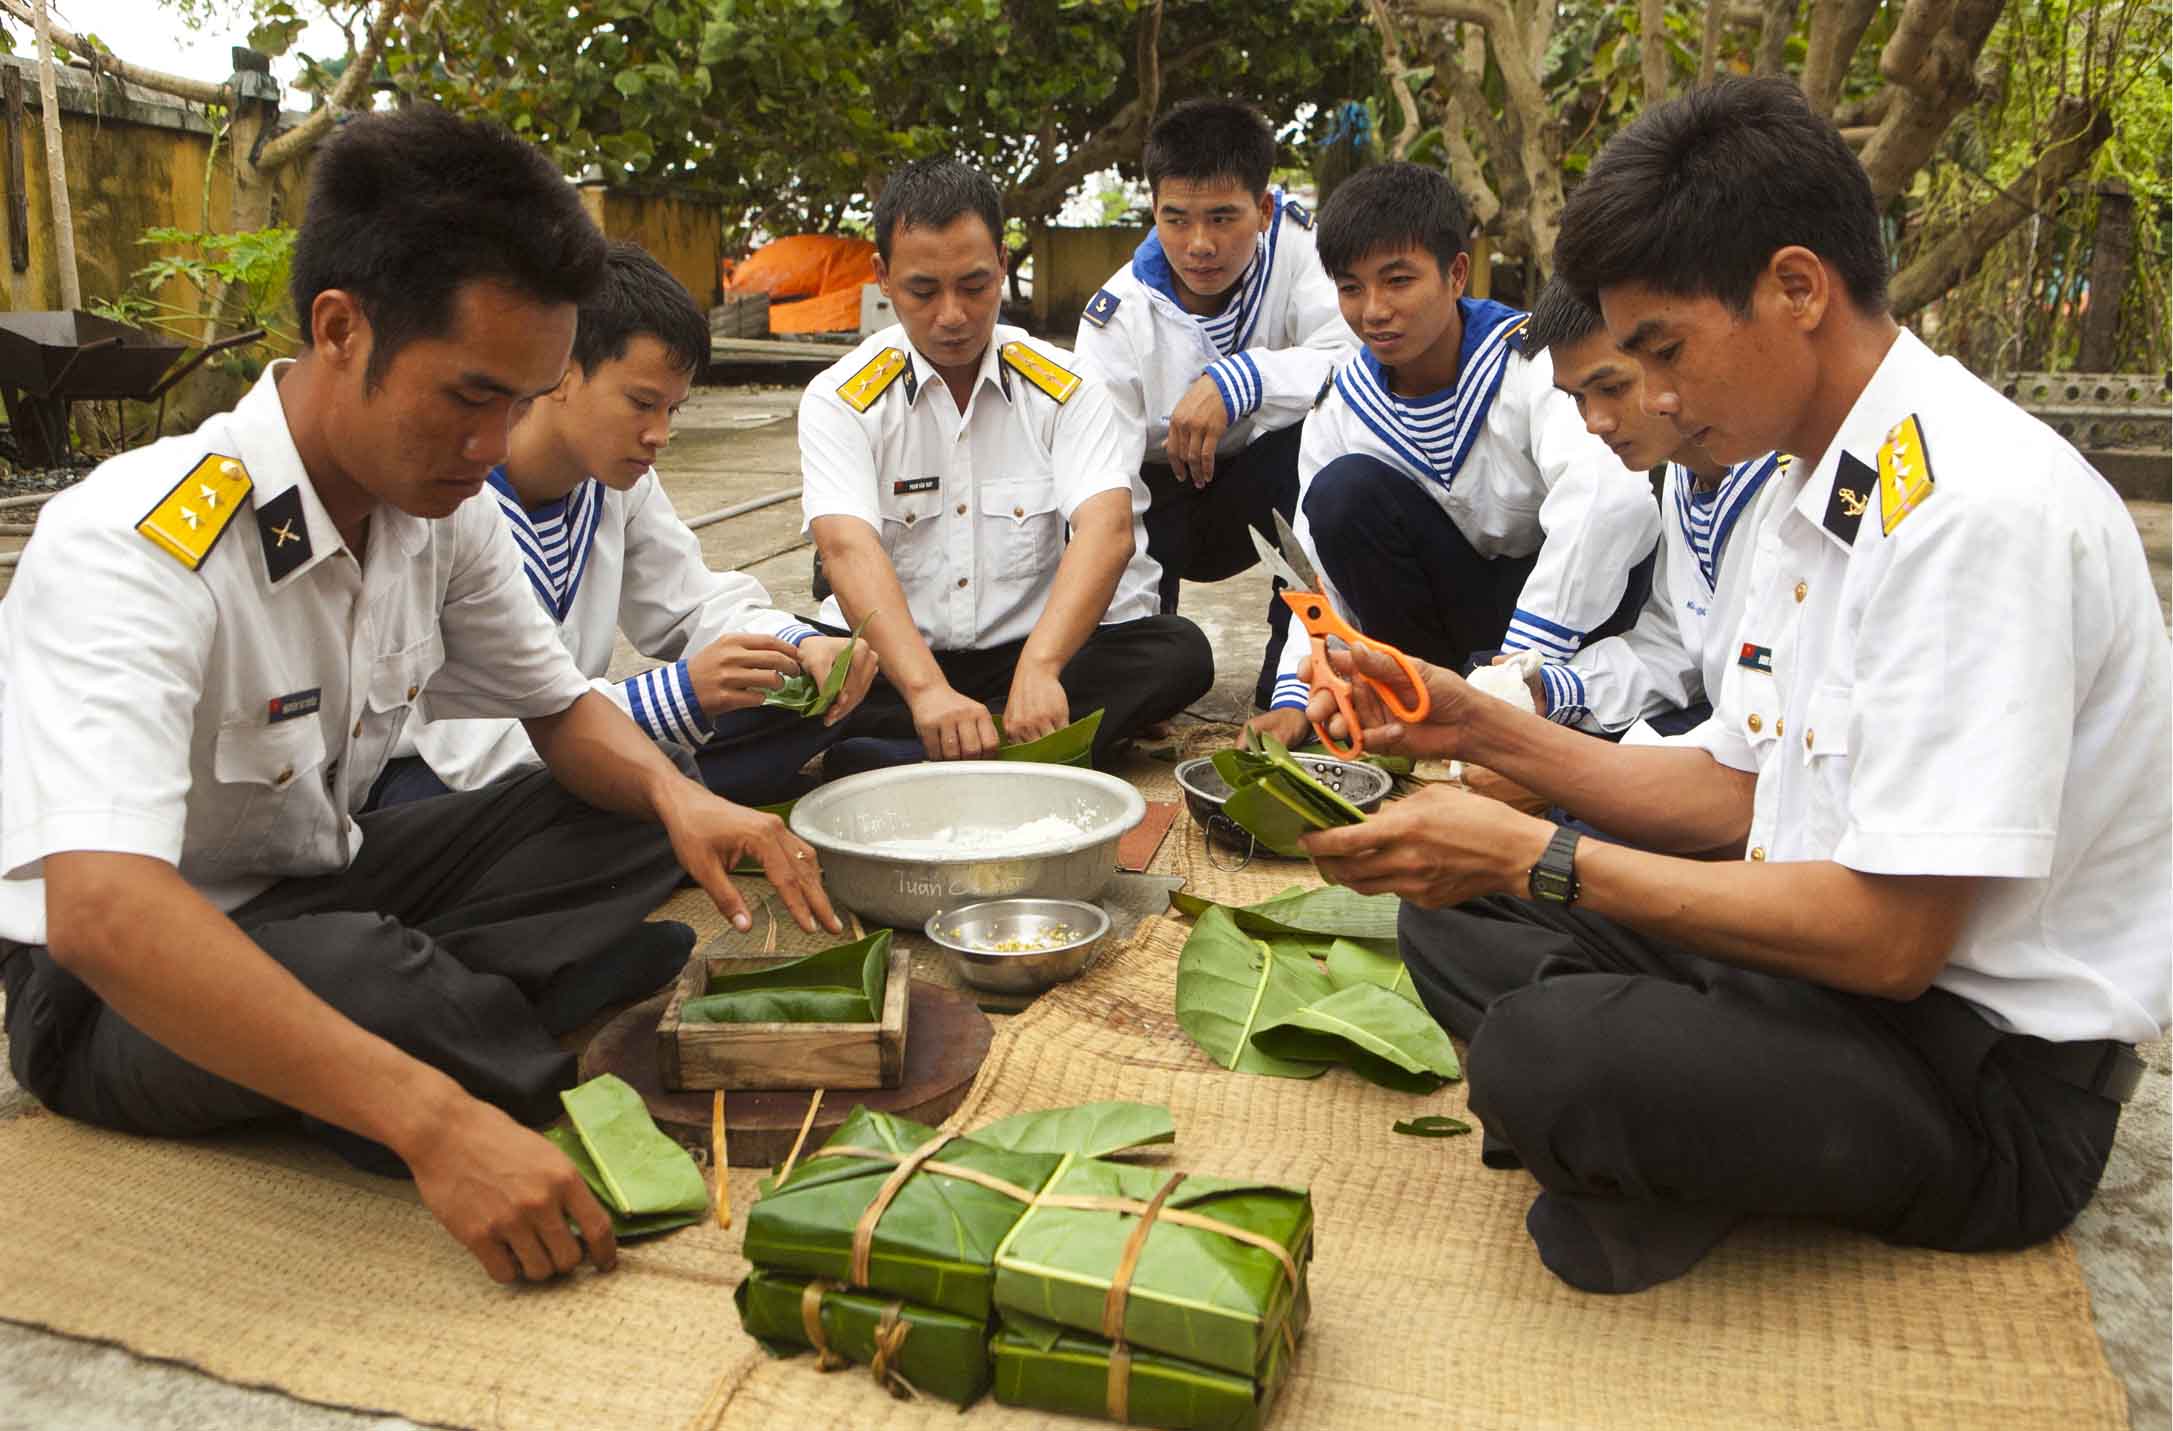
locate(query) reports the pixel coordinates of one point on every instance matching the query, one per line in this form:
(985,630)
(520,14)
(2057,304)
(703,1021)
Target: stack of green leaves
(1208,1319)
(647,1182)
(1073,745)
(1274,798)
(1289,1003)
(843,985)
(799,692)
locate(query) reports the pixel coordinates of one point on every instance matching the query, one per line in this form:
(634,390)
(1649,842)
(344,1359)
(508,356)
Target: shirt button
(1808,737)
(961,509)
(412,691)
(1780,728)
(1755,723)
(909,519)
(1018,511)
(283,776)
(1803,589)
(961,583)
(358,729)
(1758,853)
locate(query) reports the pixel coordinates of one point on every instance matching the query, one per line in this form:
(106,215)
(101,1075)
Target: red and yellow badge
(1905,474)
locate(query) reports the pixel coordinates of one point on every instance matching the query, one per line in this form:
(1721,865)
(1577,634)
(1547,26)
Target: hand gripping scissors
(1307,599)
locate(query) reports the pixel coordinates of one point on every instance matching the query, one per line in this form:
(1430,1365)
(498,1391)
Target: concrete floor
(738,443)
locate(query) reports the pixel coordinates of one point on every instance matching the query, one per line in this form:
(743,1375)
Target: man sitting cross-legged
(1940,746)
(971,500)
(209,649)
(605,552)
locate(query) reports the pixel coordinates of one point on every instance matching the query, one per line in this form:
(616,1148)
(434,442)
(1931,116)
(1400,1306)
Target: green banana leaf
(1229,985)
(1092,1130)
(1196,1294)
(1350,962)
(623,1227)
(1329,910)
(638,1172)
(936,1241)
(1380,1036)
(1276,799)
(1073,745)
(800,693)
(1433,1125)
(748,865)
(1050,1368)
(944,1354)
(1398,765)
(843,985)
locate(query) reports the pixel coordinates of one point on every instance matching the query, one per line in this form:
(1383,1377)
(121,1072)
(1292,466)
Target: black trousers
(1613,1065)
(469,931)
(1411,578)
(1134,672)
(1204,534)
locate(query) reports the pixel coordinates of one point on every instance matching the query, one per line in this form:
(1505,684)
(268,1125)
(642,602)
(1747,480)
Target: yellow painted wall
(1069,264)
(686,235)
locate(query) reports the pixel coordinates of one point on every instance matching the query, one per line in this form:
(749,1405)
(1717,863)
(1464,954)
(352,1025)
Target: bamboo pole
(56,167)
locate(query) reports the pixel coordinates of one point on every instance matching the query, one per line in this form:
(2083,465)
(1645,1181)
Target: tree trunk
(1392,63)
(56,168)
(1652,48)
(1930,61)
(2075,131)
(1837,28)
(2112,259)
(1709,47)
(1774,27)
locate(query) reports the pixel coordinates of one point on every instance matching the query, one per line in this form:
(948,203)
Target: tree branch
(1837,28)
(1941,86)
(1652,48)
(1392,55)
(1920,23)
(179,86)
(1774,27)
(1709,46)
(2078,128)
(304,136)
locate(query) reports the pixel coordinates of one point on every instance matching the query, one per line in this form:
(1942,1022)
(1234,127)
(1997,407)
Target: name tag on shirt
(294,705)
(1756,658)
(916,484)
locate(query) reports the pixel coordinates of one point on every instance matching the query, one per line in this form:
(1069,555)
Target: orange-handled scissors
(1307,599)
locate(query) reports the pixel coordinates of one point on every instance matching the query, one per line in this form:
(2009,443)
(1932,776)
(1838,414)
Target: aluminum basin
(897,845)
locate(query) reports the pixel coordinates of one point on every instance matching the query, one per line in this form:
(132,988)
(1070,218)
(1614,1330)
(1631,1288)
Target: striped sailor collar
(1433,433)
(921,375)
(1230,330)
(1708,515)
(1905,380)
(259,425)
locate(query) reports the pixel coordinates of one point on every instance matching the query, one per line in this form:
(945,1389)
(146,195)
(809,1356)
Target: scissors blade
(1273,560)
(1298,571)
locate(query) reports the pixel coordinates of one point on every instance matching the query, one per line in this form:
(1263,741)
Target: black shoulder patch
(1854,481)
(1299,213)
(284,532)
(1101,308)
(1327,386)
(1517,331)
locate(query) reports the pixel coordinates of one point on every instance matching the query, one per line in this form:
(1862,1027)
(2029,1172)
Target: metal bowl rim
(947,915)
(1133,812)
(1372,772)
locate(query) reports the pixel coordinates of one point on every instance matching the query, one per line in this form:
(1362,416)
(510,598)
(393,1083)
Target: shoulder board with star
(189,520)
(862,389)
(1905,474)
(1057,381)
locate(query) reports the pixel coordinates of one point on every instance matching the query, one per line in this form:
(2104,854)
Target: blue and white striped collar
(1708,518)
(1231,330)
(554,539)
(1432,435)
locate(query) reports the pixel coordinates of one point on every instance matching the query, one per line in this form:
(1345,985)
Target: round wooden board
(947,1037)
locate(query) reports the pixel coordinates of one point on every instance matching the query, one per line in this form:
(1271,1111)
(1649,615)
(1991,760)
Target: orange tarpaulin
(813,281)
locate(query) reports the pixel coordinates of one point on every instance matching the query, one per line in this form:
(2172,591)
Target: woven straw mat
(267,1263)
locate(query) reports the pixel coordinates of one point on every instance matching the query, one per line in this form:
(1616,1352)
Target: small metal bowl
(1365,786)
(966,932)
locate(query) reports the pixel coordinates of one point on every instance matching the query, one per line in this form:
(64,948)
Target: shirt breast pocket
(397,681)
(913,535)
(1824,751)
(269,778)
(1020,518)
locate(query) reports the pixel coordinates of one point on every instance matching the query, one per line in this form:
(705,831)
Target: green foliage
(248,271)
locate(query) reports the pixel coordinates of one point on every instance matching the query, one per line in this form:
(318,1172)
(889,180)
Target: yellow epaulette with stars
(1057,381)
(189,520)
(862,389)
(1905,474)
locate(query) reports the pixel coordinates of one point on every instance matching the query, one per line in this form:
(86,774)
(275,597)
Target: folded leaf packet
(1072,745)
(800,693)
(1053,1368)
(891,1206)
(843,985)
(1275,799)
(910,1348)
(645,1181)
(1206,1269)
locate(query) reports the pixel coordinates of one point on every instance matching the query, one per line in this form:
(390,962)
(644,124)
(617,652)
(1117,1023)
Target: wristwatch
(1554,879)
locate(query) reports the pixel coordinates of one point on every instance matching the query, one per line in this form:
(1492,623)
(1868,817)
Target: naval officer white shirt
(230,719)
(972,508)
(1952,662)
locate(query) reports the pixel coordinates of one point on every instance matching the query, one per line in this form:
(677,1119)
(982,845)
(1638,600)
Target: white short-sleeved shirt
(1268,351)
(972,508)
(1952,662)
(230,718)
(1505,456)
(600,562)
(1683,640)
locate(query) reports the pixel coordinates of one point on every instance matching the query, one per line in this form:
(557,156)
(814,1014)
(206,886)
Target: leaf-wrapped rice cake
(1195,1293)
(937,1353)
(1053,1368)
(935,1244)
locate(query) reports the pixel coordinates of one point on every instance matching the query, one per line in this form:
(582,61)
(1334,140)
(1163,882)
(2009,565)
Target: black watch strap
(1554,879)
